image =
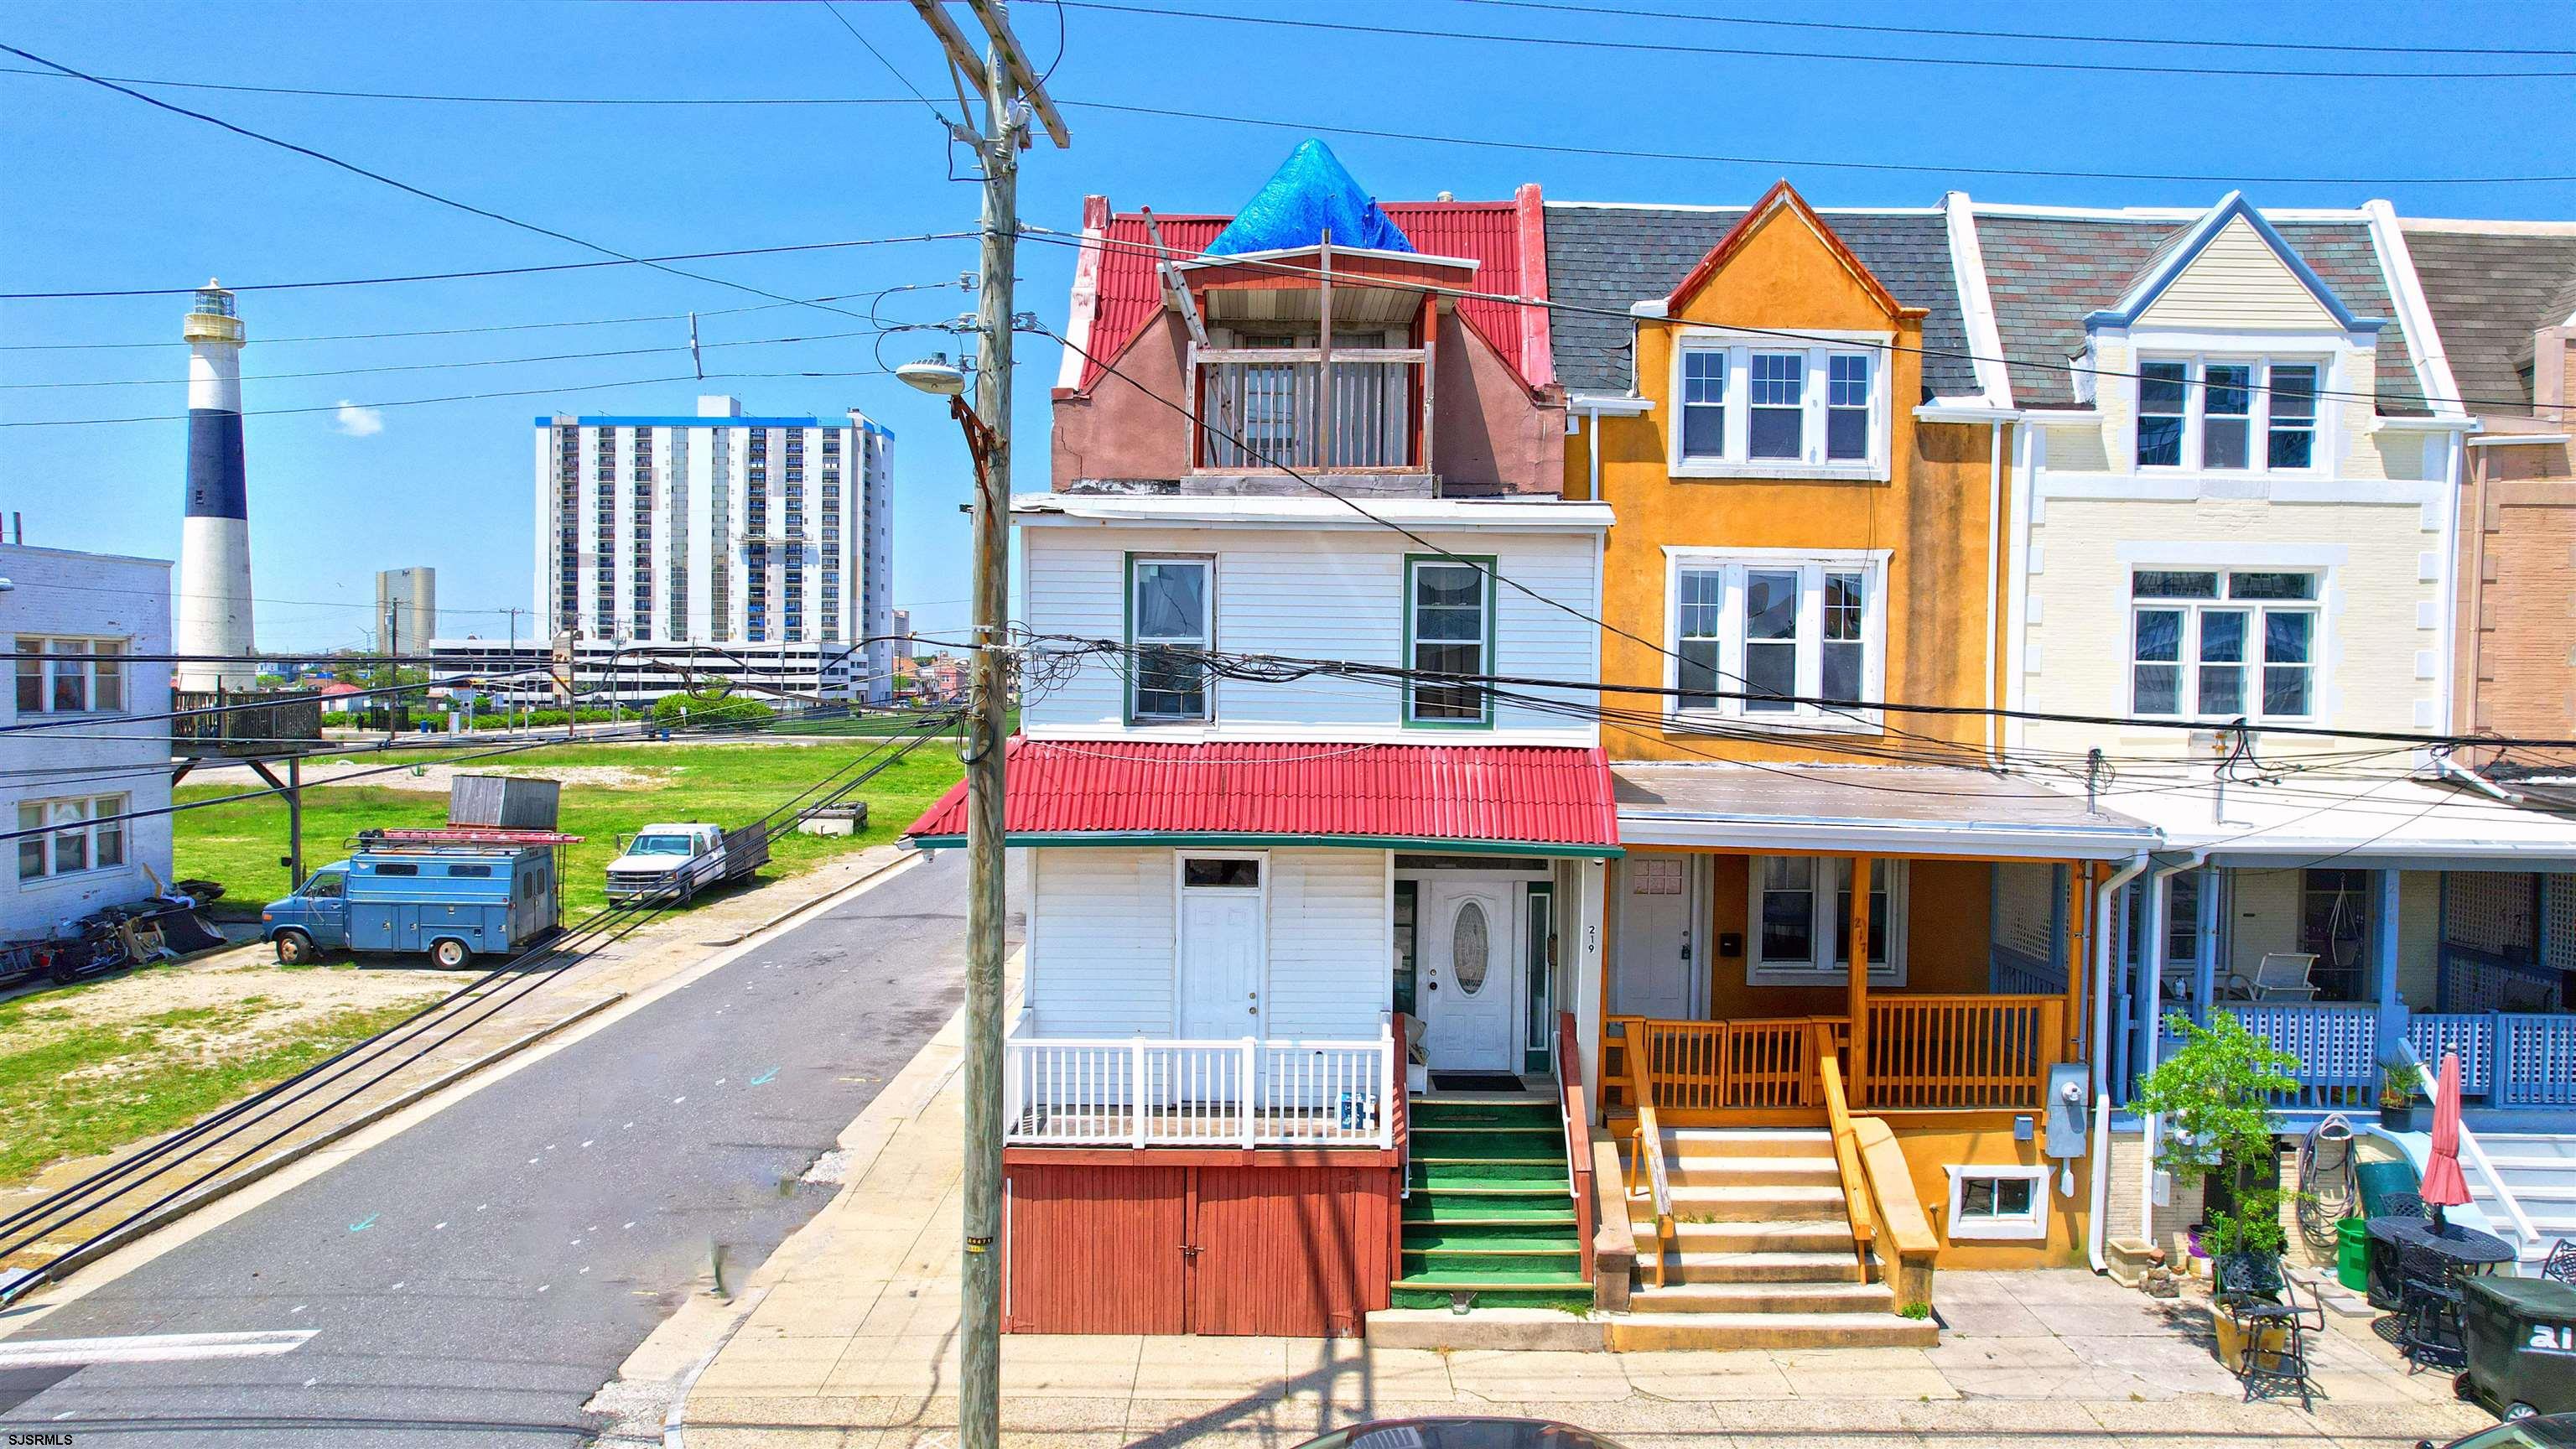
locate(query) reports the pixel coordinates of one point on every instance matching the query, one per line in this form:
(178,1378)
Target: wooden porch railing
(1962,1051)
(1576,1111)
(1959,1053)
(1646,1154)
(1855,1179)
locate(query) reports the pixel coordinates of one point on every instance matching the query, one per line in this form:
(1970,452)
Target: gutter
(1994,581)
(2098,1231)
(2155,1025)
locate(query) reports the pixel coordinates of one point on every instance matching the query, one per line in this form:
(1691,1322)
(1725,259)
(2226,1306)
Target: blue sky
(102,192)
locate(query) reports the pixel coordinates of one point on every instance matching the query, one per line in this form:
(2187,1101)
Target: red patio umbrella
(2443,1185)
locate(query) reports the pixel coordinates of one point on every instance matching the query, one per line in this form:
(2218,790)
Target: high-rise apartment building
(754,549)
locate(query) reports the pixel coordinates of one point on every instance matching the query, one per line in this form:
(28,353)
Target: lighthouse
(213,606)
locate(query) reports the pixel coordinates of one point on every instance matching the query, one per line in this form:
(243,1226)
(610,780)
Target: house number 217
(2561,1337)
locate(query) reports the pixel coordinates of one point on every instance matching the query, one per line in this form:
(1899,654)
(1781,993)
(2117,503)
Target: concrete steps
(1648,1332)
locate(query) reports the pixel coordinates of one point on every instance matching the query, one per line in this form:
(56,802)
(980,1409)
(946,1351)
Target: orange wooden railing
(1847,1163)
(1961,1051)
(1646,1174)
(1702,1065)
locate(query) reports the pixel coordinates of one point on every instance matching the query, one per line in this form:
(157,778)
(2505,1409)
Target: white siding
(1101,933)
(1312,593)
(2236,281)
(58,593)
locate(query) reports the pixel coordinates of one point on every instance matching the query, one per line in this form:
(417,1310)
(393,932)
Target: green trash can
(2520,1335)
(2352,1254)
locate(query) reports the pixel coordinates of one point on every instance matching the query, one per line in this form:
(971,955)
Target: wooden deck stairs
(1760,1252)
(1489,1212)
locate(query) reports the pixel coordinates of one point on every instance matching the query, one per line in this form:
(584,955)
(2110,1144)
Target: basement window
(1998,1204)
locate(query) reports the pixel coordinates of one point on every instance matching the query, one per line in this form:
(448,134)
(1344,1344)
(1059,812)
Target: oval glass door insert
(1469,948)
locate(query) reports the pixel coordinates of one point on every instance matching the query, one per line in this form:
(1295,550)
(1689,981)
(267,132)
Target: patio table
(2461,1247)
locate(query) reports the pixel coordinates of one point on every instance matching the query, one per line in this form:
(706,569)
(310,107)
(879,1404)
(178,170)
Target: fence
(1143,1092)
(1961,1051)
(1713,1065)
(1267,409)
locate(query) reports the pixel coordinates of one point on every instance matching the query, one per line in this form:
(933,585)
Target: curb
(673,1432)
(267,1166)
(791,912)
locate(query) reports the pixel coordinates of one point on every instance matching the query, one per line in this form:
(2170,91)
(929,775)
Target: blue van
(450,902)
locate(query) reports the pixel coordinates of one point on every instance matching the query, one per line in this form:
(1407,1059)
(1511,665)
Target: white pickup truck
(675,862)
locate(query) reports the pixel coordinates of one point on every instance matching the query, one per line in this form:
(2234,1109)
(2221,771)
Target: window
(2217,644)
(1167,613)
(1448,629)
(2230,415)
(1999,1203)
(71,836)
(70,676)
(1221,874)
(1754,637)
(391,868)
(1704,404)
(1751,406)
(1801,910)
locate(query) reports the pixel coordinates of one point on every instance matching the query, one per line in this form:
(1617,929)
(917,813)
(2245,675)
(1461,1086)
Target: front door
(1656,920)
(1221,946)
(1466,984)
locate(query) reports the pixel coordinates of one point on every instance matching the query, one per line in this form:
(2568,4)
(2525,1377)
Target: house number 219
(2561,1337)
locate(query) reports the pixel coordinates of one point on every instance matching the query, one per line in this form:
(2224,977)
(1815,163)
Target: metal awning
(2389,818)
(1467,799)
(1866,810)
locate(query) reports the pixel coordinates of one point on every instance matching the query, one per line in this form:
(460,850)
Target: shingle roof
(2488,292)
(1610,256)
(2046,273)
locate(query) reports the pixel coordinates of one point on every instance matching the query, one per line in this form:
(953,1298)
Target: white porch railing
(1150,1092)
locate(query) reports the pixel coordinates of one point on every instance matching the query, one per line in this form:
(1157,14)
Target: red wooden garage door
(1095,1250)
(1289,1251)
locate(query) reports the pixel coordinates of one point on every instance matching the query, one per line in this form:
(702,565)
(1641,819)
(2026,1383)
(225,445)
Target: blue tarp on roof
(1309,193)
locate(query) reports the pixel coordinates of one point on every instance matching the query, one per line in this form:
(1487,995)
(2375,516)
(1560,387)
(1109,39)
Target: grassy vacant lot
(609,790)
(88,1068)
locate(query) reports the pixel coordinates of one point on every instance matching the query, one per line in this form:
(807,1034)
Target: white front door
(1221,936)
(1466,971)
(1657,918)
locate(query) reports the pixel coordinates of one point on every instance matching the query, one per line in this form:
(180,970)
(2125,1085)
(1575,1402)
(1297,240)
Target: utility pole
(1012,94)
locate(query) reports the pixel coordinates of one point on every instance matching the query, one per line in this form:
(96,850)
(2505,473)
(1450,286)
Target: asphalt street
(475,1279)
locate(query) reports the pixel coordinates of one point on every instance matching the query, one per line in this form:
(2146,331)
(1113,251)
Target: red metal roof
(1463,796)
(1505,238)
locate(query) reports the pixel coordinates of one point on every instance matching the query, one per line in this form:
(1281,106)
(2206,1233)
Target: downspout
(2192,860)
(2475,781)
(2475,624)
(1593,438)
(2099,1231)
(1994,555)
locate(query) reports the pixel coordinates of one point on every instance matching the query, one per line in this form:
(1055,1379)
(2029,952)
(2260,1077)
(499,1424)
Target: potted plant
(2215,1093)
(2396,1098)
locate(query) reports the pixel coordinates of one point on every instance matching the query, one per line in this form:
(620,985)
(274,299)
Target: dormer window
(1752,407)
(2228,415)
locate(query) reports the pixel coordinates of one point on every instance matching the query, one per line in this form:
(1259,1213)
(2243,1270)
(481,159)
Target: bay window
(70,676)
(67,837)
(1758,406)
(1448,629)
(2220,643)
(1169,608)
(2228,415)
(1794,639)
(1801,915)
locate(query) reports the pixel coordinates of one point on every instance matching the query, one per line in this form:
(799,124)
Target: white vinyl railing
(1149,1092)
(2474,1153)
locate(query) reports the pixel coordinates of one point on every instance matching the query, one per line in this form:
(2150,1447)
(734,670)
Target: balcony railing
(1263,408)
(1925,1052)
(1155,1092)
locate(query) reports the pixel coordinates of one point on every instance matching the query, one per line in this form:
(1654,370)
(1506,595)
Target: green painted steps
(1488,1210)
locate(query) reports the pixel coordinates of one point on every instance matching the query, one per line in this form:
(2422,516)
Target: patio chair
(2560,1265)
(2434,1305)
(2401,1205)
(2279,976)
(2258,1295)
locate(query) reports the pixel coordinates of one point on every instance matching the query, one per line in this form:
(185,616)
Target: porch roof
(1866,809)
(2386,818)
(1474,799)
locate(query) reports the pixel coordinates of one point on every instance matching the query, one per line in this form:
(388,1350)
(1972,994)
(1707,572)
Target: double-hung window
(1759,406)
(1169,625)
(1801,911)
(1797,640)
(70,836)
(70,676)
(1448,629)
(2223,643)
(2228,414)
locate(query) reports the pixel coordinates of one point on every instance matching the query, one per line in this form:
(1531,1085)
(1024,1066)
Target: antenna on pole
(696,362)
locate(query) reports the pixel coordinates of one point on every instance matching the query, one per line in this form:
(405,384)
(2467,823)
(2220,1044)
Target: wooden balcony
(1269,409)
(222,723)
(1164,1092)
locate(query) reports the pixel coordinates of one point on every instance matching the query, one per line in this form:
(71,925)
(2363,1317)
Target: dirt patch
(241,993)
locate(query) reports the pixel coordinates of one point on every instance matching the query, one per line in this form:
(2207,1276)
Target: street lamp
(934,375)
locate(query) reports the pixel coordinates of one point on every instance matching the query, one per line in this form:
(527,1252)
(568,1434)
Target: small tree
(2214,1092)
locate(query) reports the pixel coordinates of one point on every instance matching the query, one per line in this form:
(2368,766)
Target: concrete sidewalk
(849,1340)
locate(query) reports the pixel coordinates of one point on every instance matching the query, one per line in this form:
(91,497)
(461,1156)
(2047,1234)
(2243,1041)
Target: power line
(900,78)
(1535,147)
(414,402)
(465,362)
(2036,364)
(2160,42)
(1555,42)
